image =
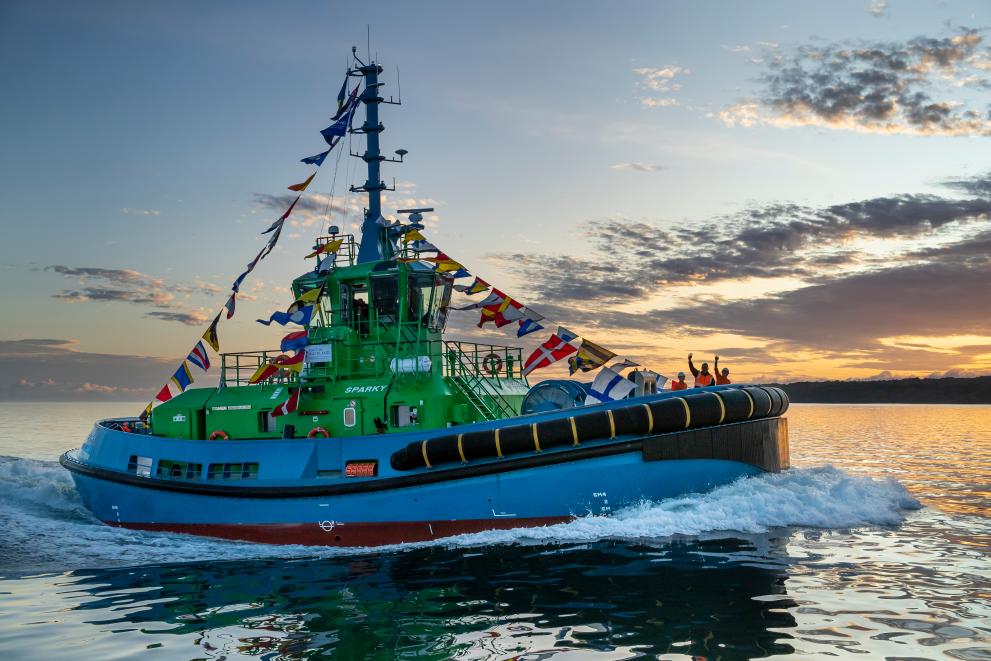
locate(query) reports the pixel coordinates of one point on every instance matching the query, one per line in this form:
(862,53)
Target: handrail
(469,373)
(246,363)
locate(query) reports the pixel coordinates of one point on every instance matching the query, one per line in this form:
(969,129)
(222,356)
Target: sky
(802,188)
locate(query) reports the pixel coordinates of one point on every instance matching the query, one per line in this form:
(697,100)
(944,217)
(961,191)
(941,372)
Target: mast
(376,243)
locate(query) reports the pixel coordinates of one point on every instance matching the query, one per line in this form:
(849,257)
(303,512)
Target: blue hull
(302,494)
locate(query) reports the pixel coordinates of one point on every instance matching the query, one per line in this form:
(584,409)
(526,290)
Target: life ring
(318,430)
(492,364)
(219,433)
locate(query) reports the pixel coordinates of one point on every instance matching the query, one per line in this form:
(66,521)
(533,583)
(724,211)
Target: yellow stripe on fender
(688,411)
(423,451)
(751,400)
(574,430)
(536,439)
(722,408)
(498,447)
(650,419)
(612,424)
(461,449)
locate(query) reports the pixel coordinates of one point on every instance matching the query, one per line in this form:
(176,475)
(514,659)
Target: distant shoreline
(950,390)
(975,390)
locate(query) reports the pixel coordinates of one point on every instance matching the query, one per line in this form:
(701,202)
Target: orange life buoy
(318,430)
(492,364)
(219,433)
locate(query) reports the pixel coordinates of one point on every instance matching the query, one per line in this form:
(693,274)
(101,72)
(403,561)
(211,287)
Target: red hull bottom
(343,534)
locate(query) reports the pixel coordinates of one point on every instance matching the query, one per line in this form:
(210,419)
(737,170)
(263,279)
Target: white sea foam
(45,524)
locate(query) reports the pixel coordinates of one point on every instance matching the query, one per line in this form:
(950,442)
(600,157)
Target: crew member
(722,378)
(680,383)
(702,377)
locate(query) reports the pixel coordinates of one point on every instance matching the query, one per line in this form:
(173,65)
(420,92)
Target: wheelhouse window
(354,305)
(385,298)
(428,300)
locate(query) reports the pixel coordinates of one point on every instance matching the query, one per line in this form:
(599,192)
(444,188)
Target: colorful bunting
(272,240)
(424,246)
(551,351)
(199,357)
(299,188)
(281,219)
(338,128)
(146,413)
(476,287)
(293,315)
(460,273)
(329,248)
(295,363)
(182,378)
(589,357)
(229,305)
(624,363)
(495,297)
(609,386)
(294,340)
(164,394)
(318,159)
(413,235)
(342,105)
(211,334)
(505,312)
(528,326)
(444,263)
(236,287)
(342,94)
(288,406)
(565,334)
(263,373)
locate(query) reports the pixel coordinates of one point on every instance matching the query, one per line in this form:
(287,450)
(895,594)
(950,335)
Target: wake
(45,525)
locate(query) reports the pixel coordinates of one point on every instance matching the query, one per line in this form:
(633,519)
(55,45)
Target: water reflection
(615,600)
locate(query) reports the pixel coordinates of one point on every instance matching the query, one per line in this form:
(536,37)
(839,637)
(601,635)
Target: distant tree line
(898,391)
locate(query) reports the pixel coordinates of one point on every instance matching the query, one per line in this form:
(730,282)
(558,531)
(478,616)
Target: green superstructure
(376,362)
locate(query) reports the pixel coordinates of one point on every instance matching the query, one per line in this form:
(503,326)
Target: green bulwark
(376,363)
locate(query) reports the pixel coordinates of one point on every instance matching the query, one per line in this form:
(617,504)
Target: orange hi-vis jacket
(722,380)
(679,385)
(703,380)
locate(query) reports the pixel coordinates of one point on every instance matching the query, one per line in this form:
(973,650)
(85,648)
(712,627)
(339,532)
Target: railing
(469,375)
(471,362)
(345,255)
(236,369)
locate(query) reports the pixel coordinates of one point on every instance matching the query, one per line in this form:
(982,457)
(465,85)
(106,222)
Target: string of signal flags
(198,357)
(497,307)
(502,310)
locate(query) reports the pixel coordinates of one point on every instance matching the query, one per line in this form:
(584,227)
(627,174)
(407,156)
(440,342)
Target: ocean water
(876,545)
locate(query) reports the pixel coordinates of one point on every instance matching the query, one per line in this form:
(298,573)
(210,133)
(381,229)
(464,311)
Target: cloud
(660,80)
(878,7)
(638,167)
(979,185)
(882,87)
(319,208)
(193,318)
(129,286)
(53,369)
(140,212)
(857,310)
(631,259)
(858,276)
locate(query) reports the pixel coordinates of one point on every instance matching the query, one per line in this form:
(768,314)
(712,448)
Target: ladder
(487,401)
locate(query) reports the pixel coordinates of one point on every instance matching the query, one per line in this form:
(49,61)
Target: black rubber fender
(694,410)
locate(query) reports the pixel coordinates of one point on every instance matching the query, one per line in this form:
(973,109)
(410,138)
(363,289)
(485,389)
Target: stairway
(483,397)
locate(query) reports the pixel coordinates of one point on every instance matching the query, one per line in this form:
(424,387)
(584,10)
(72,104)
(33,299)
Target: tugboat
(381,431)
